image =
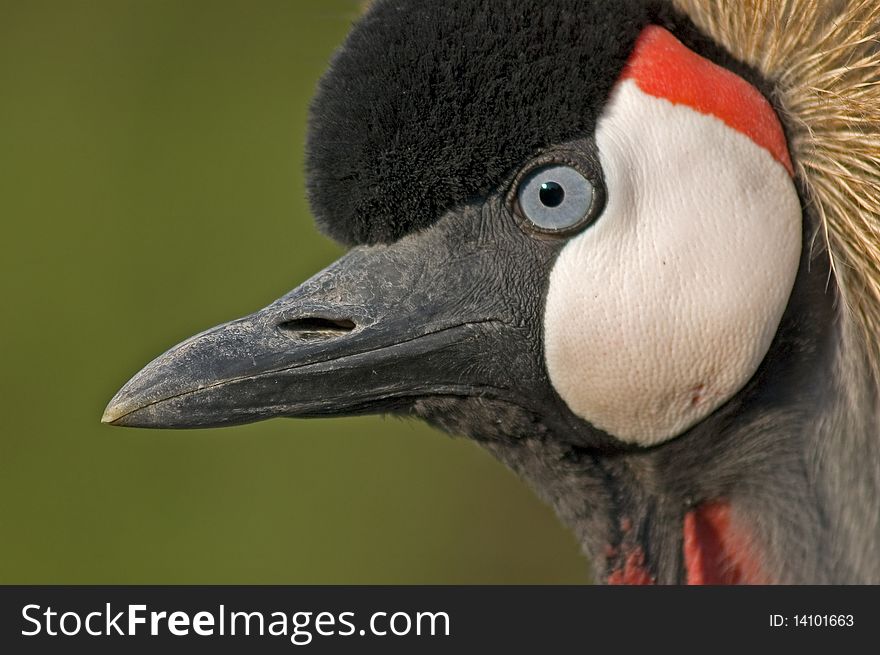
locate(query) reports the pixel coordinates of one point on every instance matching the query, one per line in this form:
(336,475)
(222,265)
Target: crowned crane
(632,248)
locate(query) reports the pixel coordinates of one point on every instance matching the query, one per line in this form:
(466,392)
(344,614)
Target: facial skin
(664,309)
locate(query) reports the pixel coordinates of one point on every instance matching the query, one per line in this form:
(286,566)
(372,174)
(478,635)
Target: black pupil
(552,194)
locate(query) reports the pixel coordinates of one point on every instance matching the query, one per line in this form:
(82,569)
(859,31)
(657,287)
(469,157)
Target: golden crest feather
(824,59)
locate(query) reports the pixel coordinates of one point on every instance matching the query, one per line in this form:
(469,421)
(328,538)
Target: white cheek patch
(665,307)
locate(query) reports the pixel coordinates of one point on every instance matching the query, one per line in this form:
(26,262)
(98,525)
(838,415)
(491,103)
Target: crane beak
(371,333)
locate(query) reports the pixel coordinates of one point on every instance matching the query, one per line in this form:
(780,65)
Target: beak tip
(119,407)
(112,414)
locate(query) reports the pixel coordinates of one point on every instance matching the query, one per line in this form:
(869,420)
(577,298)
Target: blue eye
(556,198)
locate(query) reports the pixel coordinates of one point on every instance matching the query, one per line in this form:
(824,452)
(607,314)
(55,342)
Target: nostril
(316,328)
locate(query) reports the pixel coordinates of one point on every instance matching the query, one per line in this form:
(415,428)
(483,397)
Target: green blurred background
(150,187)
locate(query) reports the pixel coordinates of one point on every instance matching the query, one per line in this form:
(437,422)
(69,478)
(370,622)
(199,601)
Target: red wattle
(714,551)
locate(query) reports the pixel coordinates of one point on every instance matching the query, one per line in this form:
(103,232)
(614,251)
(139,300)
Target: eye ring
(556,198)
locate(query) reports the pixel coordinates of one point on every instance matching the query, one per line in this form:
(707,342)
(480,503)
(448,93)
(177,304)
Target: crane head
(578,237)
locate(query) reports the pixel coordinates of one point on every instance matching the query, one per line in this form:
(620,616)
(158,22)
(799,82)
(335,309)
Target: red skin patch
(633,571)
(715,552)
(662,66)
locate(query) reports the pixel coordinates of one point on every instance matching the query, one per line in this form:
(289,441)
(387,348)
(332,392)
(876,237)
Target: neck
(788,496)
(781,485)
(842,452)
(781,514)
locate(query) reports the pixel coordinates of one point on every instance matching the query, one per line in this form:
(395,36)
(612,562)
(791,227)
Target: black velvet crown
(430,104)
